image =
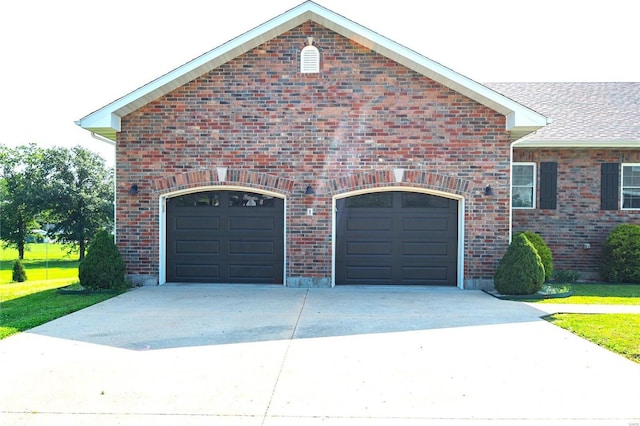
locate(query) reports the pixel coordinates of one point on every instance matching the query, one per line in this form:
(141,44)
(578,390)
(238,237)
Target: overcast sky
(61,60)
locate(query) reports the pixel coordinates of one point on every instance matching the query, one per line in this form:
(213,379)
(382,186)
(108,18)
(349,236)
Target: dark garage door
(225,237)
(397,238)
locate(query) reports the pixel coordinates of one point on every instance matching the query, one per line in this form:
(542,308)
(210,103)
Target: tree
(79,195)
(21,192)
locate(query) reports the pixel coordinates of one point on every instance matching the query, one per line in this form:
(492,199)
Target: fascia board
(577,144)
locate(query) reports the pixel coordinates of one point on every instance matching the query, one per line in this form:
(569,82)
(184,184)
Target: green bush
(621,255)
(520,271)
(102,267)
(543,251)
(566,276)
(18,275)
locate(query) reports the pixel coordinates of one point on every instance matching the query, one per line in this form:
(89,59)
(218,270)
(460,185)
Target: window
(631,186)
(523,187)
(310,60)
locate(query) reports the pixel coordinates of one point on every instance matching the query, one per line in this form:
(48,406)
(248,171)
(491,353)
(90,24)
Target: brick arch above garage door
(399,177)
(218,176)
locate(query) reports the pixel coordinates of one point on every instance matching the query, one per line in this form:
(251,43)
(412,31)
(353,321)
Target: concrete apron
(261,355)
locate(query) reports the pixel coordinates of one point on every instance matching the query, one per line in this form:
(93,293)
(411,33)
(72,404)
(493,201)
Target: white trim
(460,222)
(535,184)
(622,166)
(162,222)
(568,144)
(520,120)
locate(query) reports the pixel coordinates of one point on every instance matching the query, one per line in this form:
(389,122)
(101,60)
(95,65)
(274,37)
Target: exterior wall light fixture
(134,189)
(488,191)
(309,190)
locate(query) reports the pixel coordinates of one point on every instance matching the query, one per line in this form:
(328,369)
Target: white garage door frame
(461,209)
(162,222)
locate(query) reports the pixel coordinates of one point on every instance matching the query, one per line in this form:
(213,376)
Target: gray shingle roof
(602,113)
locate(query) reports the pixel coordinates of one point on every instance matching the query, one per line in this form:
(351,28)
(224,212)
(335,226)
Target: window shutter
(549,185)
(609,175)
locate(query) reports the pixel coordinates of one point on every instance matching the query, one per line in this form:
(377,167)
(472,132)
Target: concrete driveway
(261,355)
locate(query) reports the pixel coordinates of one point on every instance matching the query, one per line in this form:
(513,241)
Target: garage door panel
(252,224)
(191,273)
(368,273)
(241,272)
(433,224)
(197,223)
(187,247)
(367,224)
(420,273)
(428,249)
(384,248)
(401,238)
(252,247)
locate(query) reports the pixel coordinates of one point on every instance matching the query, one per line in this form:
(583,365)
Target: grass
(601,294)
(42,261)
(619,333)
(36,301)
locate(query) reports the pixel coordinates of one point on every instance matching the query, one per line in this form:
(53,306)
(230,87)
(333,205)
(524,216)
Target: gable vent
(310,58)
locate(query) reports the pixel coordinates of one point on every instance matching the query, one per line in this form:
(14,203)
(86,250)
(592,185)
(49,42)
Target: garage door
(397,238)
(225,237)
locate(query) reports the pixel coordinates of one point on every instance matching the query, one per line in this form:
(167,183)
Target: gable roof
(582,115)
(106,121)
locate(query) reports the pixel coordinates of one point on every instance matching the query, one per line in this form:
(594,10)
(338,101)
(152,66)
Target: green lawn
(36,301)
(601,294)
(42,261)
(619,333)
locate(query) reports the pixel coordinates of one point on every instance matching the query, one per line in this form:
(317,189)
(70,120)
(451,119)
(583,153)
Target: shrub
(102,267)
(18,274)
(543,251)
(566,276)
(520,271)
(621,255)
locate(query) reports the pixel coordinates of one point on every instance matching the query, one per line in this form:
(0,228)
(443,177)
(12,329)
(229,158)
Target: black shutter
(609,180)
(549,185)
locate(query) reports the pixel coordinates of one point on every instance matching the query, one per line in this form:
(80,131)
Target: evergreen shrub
(520,271)
(103,267)
(543,251)
(18,274)
(621,255)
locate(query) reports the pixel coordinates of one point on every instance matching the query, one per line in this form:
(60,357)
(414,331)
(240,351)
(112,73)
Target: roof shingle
(580,112)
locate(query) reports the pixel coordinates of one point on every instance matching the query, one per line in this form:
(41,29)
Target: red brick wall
(362,114)
(578,219)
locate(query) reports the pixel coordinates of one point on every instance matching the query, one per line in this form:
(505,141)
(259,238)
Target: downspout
(113,144)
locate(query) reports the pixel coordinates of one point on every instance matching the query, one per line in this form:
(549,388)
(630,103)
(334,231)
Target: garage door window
(250,199)
(415,200)
(202,199)
(372,200)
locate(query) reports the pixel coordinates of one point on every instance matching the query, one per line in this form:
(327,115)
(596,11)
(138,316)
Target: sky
(62,60)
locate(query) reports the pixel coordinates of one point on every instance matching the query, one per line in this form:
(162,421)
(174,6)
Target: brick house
(312,152)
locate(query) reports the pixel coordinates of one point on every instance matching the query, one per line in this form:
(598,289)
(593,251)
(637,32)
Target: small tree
(102,267)
(520,271)
(621,255)
(543,251)
(18,275)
